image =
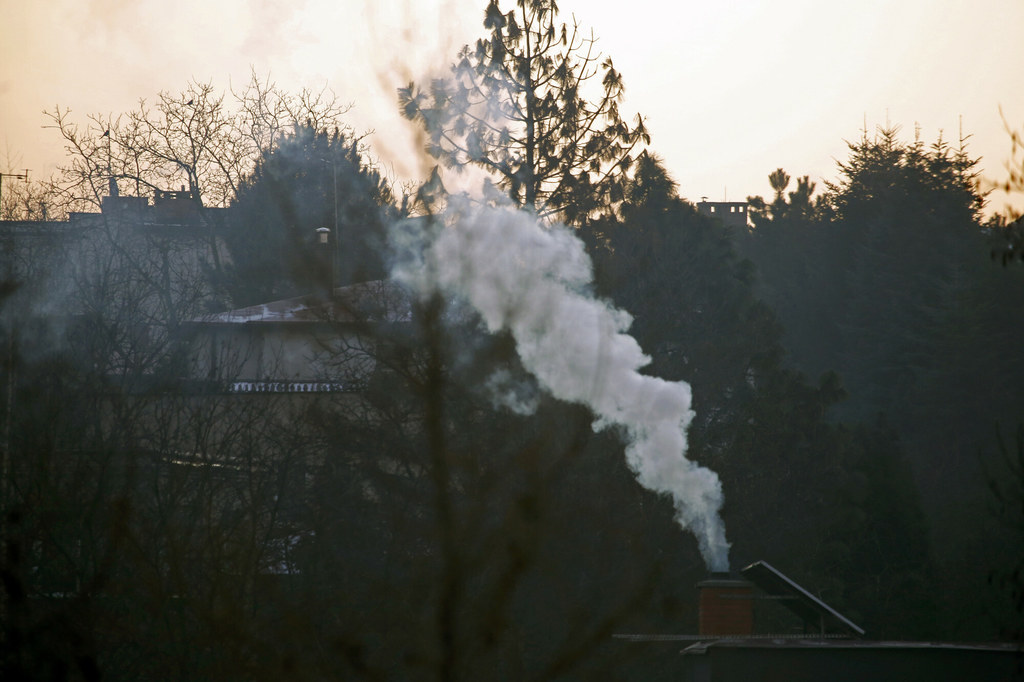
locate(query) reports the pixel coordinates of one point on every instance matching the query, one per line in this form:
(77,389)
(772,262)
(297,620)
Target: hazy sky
(731,89)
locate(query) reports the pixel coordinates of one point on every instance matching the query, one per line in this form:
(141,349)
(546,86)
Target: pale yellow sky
(730,90)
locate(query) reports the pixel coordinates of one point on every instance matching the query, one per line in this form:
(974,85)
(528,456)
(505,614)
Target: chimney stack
(726,606)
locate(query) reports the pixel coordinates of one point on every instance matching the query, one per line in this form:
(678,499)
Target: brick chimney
(726,606)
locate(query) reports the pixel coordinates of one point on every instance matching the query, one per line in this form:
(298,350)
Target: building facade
(731,213)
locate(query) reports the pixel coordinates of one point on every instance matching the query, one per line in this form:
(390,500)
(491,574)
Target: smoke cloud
(533,280)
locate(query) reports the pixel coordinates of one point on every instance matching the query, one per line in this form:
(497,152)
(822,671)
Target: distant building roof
(377,301)
(732,213)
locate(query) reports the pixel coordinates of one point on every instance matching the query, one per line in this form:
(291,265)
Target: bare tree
(140,511)
(24,198)
(453,539)
(202,139)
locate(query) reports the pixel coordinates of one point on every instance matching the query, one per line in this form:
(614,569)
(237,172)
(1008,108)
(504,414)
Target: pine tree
(312,178)
(535,105)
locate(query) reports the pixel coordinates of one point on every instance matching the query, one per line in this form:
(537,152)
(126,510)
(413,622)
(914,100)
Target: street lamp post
(323,237)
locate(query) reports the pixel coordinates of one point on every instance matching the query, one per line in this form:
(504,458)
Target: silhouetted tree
(1009,229)
(800,490)
(779,180)
(874,559)
(452,538)
(534,105)
(139,517)
(887,281)
(24,198)
(794,276)
(200,139)
(312,178)
(695,311)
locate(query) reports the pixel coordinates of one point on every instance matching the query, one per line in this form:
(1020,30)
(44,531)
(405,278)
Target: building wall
(280,354)
(878,662)
(731,213)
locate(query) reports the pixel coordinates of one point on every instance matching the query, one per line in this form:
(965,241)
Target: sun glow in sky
(730,90)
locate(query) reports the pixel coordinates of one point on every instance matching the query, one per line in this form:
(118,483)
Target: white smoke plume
(533,281)
(506,392)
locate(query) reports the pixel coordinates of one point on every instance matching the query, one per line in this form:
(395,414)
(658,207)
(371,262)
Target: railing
(291,387)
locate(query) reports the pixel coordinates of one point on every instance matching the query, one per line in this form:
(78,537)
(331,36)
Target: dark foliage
(886,279)
(1005,475)
(311,179)
(417,528)
(800,491)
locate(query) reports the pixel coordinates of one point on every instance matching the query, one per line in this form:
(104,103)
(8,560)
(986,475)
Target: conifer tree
(312,178)
(535,104)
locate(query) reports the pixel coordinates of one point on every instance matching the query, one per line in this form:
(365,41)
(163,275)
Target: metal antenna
(21,176)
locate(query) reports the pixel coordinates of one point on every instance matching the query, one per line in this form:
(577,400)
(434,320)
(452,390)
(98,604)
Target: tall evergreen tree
(537,106)
(888,281)
(800,490)
(759,426)
(312,178)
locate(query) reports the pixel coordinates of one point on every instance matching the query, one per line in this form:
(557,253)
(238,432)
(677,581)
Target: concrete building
(307,344)
(731,213)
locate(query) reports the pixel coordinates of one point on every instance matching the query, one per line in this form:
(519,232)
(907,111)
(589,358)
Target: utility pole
(323,237)
(334,255)
(5,447)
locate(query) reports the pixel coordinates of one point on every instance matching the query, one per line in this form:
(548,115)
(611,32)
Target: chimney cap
(724,579)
